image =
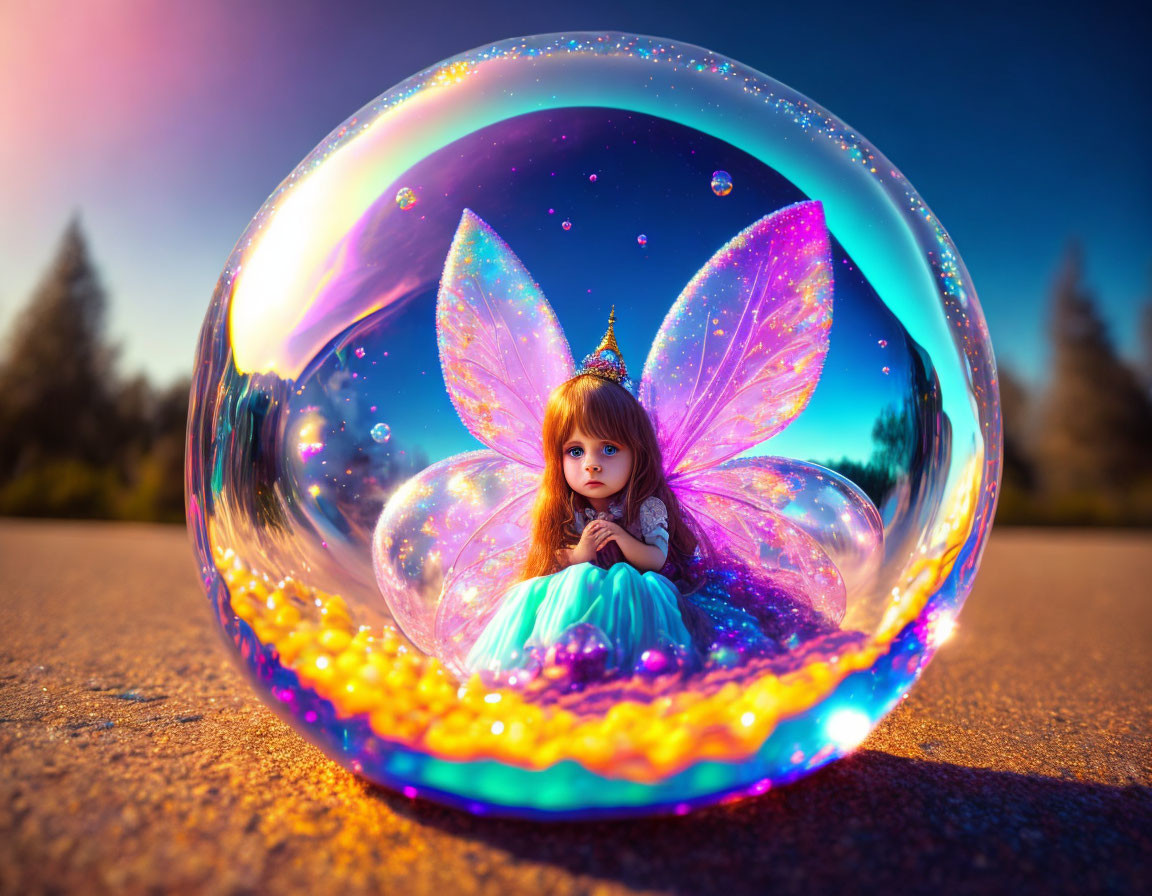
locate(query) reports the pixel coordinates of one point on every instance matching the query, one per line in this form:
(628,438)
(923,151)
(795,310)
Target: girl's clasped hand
(599,533)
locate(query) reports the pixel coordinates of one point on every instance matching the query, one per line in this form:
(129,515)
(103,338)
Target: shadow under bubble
(867,822)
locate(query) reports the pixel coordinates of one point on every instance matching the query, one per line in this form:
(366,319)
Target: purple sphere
(583,651)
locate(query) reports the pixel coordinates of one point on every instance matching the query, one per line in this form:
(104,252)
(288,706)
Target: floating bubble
(406,198)
(721,183)
(592,178)
(883,343)
(642,240)
(351,573)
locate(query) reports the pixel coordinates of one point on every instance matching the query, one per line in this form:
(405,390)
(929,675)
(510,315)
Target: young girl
(605,524)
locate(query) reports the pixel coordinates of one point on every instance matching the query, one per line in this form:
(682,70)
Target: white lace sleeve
(653,521)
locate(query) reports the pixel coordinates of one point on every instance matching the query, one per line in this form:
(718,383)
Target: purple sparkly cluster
(606,365)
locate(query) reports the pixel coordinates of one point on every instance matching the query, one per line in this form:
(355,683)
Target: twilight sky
(166,126)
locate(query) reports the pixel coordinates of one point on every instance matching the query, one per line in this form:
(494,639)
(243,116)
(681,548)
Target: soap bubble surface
(324,322)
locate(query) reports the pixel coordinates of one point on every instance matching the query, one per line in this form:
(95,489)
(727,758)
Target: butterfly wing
(502,351)
(743,533)
(741,350)
(486,565)
(831,510)
(433,526)
(449,542)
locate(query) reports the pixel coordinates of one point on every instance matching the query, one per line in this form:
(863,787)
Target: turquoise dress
(630,611)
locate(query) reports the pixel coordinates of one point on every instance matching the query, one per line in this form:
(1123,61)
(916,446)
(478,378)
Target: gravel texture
(135,759)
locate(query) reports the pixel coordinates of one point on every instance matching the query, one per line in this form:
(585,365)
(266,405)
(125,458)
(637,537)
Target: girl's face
(595,468)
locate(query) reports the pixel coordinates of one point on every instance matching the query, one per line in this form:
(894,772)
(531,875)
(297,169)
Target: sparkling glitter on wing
(741,351)
(501,348)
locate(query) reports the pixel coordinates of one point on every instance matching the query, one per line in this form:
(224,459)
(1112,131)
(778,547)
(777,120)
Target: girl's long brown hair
(603,410)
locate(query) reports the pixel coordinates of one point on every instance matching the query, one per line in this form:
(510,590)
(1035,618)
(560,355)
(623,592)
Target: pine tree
(1097,422)
(56,378)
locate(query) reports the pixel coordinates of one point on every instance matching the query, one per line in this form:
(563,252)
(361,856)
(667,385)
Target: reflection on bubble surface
(323,324)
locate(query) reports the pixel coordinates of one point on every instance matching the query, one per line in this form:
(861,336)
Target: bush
(63,488)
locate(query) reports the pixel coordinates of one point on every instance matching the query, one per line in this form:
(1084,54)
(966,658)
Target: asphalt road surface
(135,759)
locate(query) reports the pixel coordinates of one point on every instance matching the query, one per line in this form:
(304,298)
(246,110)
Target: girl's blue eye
(609,450)
(575,452)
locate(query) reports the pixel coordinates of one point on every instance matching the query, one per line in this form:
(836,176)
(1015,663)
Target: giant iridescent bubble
(854,457)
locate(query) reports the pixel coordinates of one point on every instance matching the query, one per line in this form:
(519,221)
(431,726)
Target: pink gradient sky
(127,111)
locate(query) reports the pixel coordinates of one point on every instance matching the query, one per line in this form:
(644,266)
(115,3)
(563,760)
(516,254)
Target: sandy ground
(136,760)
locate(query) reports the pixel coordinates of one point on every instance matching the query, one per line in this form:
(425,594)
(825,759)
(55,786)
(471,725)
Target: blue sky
(166,127)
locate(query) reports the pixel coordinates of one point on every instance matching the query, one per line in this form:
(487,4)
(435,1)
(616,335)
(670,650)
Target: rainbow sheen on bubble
(324,323)
(405,198)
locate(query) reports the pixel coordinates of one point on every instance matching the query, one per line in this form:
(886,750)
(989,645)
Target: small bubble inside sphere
(406,198)
(327,539)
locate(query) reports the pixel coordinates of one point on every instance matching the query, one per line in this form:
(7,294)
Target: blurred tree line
(76,439)
(1078,450)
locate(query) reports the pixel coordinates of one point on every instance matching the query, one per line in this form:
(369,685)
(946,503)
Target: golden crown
(607,362)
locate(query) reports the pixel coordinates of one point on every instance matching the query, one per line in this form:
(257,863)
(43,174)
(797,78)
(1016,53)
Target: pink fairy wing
(739,354)
(487,564)
(501,348)
(741,531)
(827,507)
(438,517)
